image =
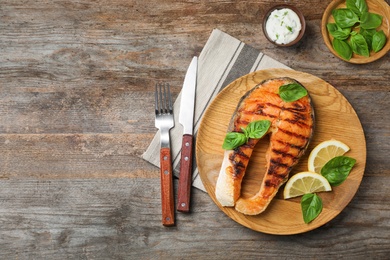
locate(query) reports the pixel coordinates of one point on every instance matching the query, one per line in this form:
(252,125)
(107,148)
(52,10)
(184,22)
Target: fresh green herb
(378,41)
(289,28)
(359,45)
(311,205)
(338,32)
(370,20)
(254,130)
(337,169)
(368,34)
(233,140)
(257,129)
(354,30)
(344,17)
(357,6)
(342,48)
(292,92)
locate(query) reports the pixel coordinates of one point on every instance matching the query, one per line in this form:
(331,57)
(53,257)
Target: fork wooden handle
(167,198)
(185,177)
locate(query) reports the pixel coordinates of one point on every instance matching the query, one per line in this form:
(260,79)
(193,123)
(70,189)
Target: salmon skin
(292,126)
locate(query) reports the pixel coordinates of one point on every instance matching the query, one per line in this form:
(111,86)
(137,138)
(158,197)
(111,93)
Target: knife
(186,119)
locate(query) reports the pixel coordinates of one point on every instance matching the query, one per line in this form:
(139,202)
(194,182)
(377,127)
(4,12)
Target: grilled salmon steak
(290,131)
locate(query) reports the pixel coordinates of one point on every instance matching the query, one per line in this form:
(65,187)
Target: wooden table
(76,114)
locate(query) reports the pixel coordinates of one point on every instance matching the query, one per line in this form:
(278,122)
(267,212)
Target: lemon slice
(324,152)
(305,182)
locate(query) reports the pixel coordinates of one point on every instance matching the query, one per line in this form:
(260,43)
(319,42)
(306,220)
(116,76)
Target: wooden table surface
(76,114)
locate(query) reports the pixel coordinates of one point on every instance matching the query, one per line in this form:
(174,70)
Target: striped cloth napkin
(222,60)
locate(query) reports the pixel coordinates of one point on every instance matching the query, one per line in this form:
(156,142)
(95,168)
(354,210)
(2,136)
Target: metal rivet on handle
(165,158)
(187,144)
(165,172)
(186,158)
(183,204)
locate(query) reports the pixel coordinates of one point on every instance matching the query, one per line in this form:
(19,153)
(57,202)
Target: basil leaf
(378,41)
(354,32)
(337,169)
(344,17)
(332,27)
(233,140)
(370,20)
(258,129)
(311,205)
(357,6)
(359,45)
(338,32)
(292,92)
(368,34)
(342,48)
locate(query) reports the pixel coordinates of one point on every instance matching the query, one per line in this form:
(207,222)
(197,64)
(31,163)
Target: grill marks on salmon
(291,129)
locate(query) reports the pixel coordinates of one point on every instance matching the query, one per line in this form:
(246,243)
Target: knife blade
(186,119)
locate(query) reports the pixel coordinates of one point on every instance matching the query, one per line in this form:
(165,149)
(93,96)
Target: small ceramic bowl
(301,18)
(374,6)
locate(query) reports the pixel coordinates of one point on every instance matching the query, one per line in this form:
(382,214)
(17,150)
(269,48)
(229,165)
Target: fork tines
(163,99)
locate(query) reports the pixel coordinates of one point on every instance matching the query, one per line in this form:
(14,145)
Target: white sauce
(283,26)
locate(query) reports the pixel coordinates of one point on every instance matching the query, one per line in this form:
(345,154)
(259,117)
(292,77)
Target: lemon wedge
(324,152)
(305,182)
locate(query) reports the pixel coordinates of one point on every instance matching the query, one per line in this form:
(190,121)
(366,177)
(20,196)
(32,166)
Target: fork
(164,121)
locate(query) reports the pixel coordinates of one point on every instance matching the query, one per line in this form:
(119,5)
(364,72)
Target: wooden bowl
(374,6)
(301,18)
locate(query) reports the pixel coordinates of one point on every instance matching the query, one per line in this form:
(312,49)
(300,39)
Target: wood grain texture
(185,177)
(167,196)
(76,113)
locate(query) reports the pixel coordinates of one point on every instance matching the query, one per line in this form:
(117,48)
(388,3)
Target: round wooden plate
(374,6)
(335,118)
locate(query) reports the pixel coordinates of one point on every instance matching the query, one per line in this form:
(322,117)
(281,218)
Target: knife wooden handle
(167,198)
(185,177)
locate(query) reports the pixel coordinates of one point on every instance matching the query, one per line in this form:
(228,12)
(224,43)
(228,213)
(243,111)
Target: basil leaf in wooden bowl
(357,31)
